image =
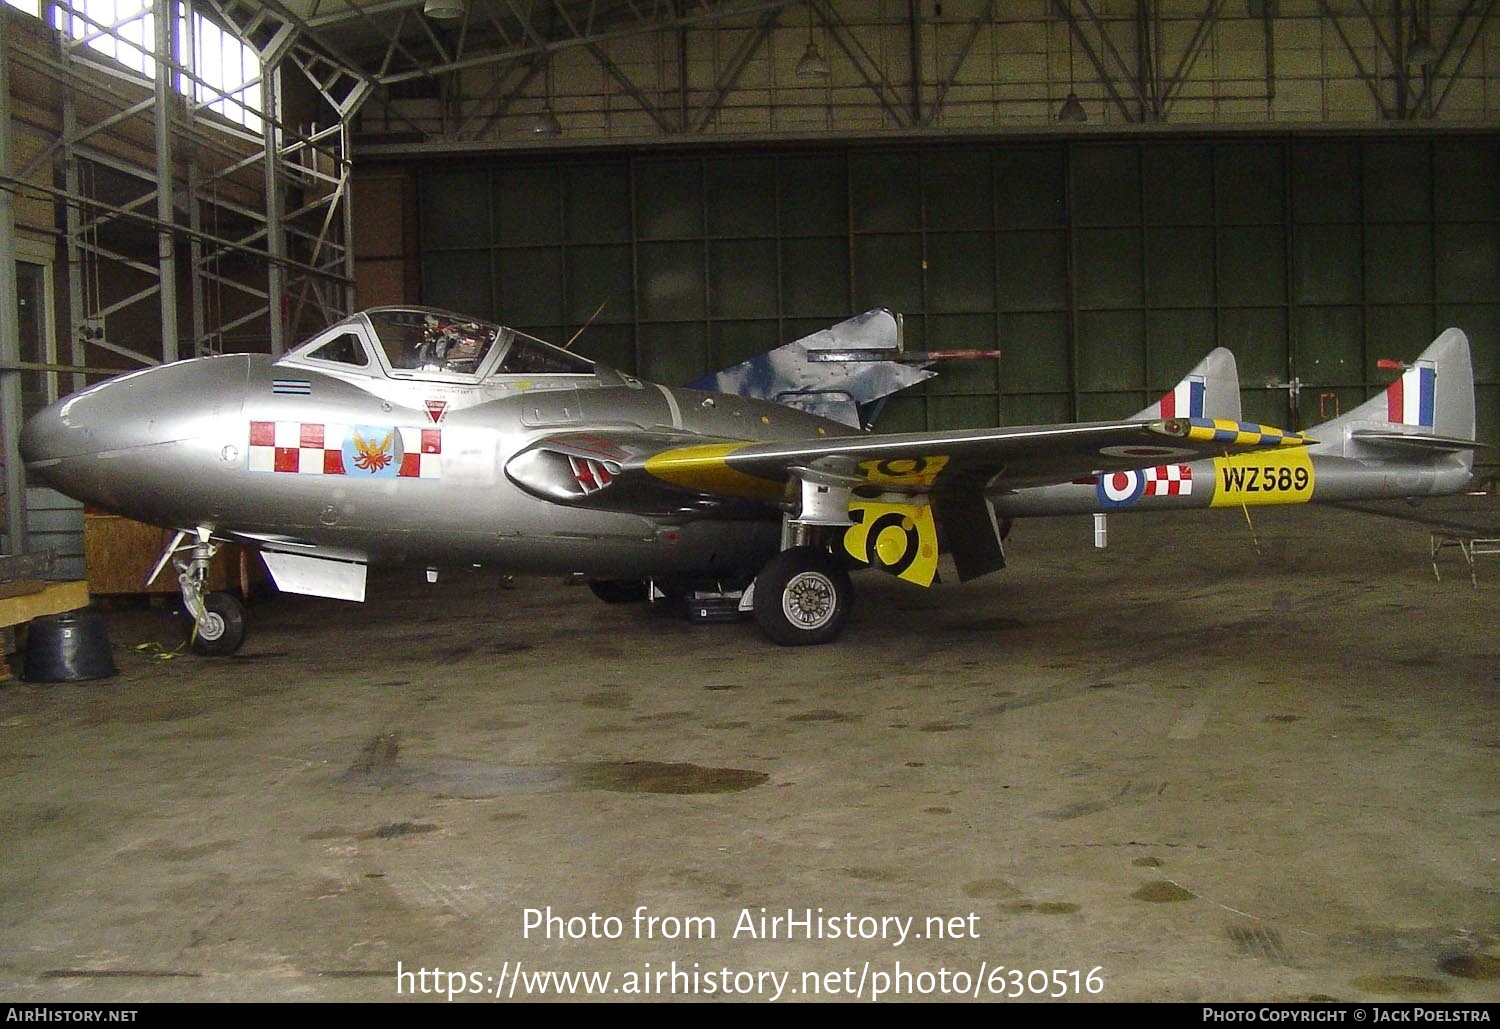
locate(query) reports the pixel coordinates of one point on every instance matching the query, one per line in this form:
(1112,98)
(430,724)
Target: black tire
(223,629)
(620,591)
(802,597)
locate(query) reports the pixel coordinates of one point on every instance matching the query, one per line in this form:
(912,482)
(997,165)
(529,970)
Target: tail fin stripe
(1412,399)
(1186,399)
(1428,392)
(1195,398)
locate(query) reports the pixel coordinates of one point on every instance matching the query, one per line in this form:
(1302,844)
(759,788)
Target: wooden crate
(119,554)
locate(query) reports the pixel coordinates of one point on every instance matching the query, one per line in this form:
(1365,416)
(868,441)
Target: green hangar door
(1101,270)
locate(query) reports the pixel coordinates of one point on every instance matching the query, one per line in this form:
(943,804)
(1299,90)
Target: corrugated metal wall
(1102,269)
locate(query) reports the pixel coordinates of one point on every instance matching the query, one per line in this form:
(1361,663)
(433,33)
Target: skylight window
(224,74)
(227,71)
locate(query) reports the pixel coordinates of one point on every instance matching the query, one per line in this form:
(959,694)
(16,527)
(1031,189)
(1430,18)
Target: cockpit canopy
(428,343)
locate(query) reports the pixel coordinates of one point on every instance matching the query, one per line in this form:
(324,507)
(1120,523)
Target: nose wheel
(221,630)
(802,597)
(218,618)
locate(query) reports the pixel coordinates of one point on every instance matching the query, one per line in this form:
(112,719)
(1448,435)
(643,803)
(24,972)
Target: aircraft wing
(887,493)
(585,466)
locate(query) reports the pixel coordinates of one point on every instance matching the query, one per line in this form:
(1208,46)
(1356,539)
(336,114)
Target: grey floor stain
(822,714)
(1078,810)
(991,889)
(391,830)
(1472,966)
(378,755)
(1402,985)
(664,716)
(119,974)
(664,777)
(1046,907)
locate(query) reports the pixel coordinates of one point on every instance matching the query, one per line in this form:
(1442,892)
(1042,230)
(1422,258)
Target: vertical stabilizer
(1210,390)
(1433,399)
(1417,433)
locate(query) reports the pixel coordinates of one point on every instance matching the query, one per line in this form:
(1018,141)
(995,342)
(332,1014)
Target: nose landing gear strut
(218,617)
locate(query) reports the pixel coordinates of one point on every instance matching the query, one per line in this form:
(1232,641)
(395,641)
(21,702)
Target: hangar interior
(1100,190)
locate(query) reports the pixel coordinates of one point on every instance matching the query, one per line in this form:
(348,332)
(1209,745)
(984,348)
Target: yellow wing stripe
(1246,434)
(706,468)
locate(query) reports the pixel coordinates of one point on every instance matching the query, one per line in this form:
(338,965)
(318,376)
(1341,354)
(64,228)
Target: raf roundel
(1117,489)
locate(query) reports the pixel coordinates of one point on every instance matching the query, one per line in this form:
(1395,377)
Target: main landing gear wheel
(221,630)
(802,597)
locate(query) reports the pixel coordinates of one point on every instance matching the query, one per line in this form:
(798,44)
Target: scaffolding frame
(214,192)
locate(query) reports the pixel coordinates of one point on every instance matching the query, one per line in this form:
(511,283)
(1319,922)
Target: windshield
(528,356)
(433,341)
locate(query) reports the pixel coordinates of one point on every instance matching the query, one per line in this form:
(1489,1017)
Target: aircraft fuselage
(400,470)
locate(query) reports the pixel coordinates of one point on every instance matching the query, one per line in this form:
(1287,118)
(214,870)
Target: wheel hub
(809,600)
(211,627)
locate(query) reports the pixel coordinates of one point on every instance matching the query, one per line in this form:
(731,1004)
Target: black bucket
(70,647)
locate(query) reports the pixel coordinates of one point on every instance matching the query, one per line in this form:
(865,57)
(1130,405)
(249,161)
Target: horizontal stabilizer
(1414,442)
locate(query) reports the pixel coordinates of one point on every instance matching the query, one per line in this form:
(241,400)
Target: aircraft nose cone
(130,413)
(45,441)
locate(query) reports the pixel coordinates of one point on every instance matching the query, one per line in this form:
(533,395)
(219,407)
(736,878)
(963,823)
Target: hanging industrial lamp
(1072,108)
(545,125)
(812,65)
(1420,51)
(445,10)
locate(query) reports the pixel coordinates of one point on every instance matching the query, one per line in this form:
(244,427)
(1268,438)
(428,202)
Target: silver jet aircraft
(423,436)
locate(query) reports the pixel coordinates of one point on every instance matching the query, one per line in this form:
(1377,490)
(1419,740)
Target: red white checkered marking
(1169,480)
(327,448)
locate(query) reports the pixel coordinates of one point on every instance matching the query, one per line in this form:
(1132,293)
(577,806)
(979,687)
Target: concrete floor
(1192,768)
